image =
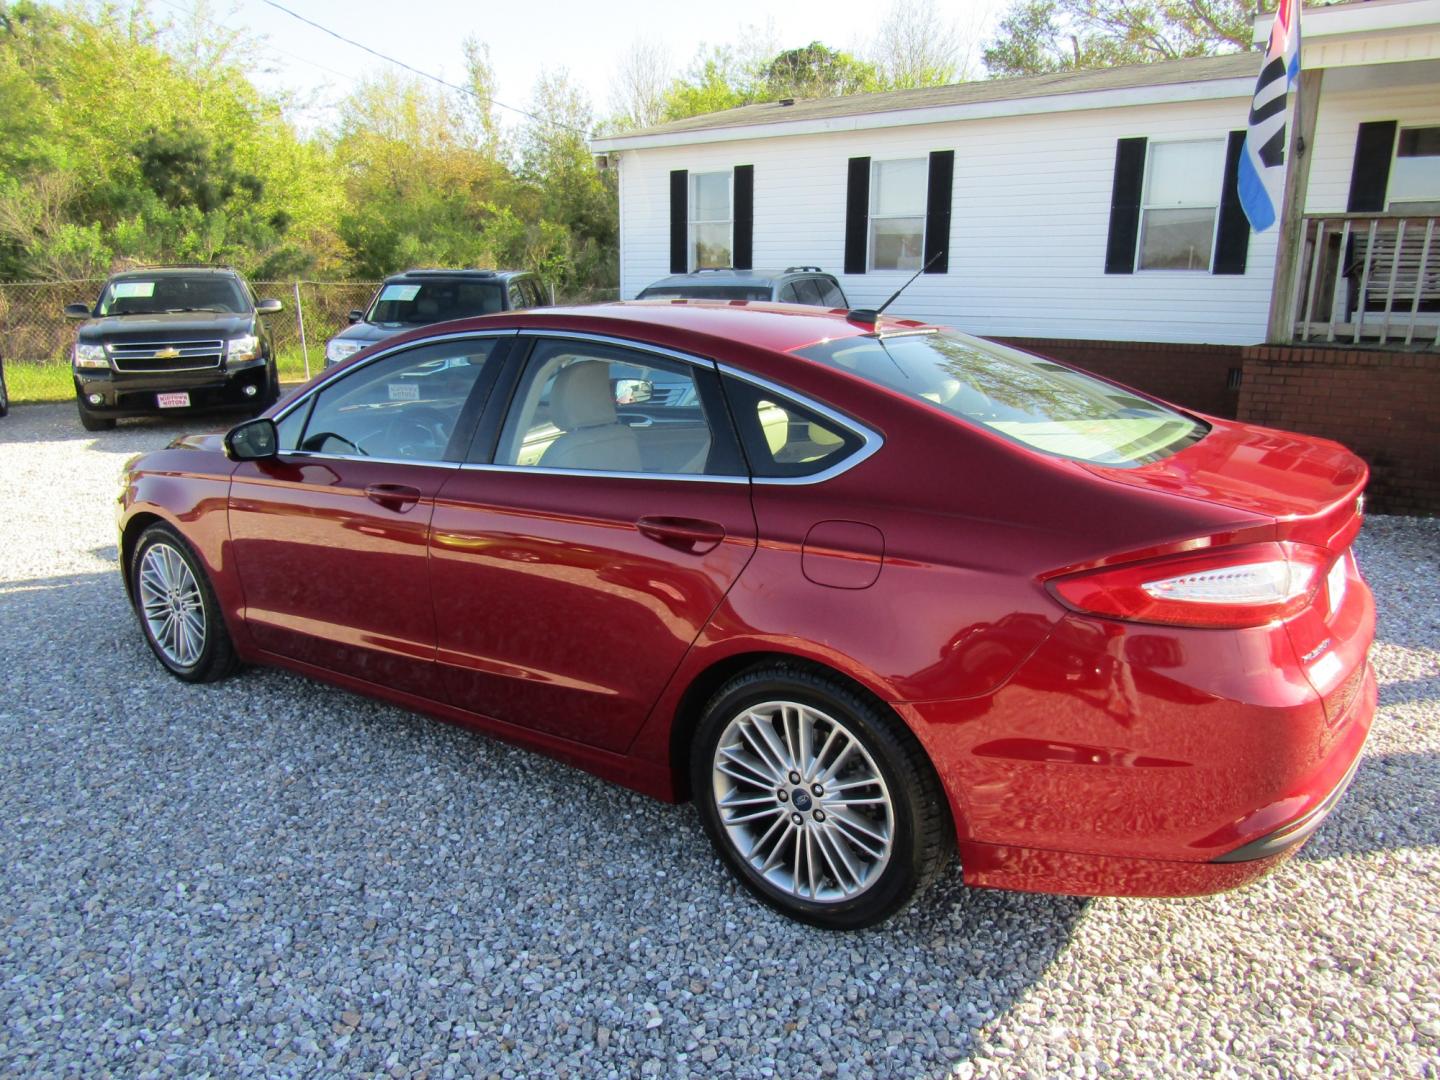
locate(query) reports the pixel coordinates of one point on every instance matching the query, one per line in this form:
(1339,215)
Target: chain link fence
(35,335)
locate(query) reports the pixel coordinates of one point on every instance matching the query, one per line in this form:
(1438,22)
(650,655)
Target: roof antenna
(866,315)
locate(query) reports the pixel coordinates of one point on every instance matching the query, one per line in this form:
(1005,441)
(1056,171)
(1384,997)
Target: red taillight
(1230,587)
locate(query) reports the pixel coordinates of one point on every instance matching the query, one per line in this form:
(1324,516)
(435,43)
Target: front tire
(90,422)
(818,798)
(177,608)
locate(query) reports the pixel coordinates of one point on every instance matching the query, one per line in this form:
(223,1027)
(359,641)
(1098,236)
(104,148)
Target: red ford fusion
(873,593)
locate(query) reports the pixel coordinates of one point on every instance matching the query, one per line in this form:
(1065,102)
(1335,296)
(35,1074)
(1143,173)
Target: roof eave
(1165,93)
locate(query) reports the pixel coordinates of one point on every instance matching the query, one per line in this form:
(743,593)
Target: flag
(1261,178)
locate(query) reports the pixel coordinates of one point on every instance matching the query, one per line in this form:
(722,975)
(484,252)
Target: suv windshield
(1025,398)
(704,292)
(415,303)
(166,293)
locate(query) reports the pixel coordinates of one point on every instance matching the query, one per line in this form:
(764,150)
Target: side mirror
(77,311)
(253,440)
(356,315)
(268,307)
(633,391)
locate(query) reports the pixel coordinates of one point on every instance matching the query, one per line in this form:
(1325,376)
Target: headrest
(581,396)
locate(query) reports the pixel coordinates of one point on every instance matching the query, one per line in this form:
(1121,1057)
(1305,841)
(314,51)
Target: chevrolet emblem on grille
(166,354)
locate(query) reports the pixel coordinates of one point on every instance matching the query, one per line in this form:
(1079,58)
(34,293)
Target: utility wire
(193,14)
(424,74)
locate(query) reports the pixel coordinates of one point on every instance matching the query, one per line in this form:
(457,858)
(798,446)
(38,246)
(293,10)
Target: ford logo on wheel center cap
(801,798)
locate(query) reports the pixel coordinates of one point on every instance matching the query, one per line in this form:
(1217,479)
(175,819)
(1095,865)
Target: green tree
(1038,36)
(816,71)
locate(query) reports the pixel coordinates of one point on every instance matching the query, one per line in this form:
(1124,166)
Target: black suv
(420,297)
(793,285)
(172,339)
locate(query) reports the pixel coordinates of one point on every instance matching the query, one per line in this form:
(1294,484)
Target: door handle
(396,497)
(690,535)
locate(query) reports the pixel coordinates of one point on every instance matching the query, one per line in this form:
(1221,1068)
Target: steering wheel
(316,443)
(418,433)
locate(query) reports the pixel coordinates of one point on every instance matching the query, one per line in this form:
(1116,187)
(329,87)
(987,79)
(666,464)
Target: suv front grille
(166,355)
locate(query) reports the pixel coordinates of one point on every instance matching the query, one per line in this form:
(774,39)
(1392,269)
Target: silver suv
(793,285)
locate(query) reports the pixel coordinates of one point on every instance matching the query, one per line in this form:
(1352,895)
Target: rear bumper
(134,394)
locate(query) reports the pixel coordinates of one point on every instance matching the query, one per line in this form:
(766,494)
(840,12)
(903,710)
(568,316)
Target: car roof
(777,327)
(479,275)
(176,271)
(728,276)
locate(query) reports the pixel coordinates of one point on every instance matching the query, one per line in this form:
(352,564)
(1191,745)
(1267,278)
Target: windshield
(1025,398)
(165,293)
(705,292)
(416,303)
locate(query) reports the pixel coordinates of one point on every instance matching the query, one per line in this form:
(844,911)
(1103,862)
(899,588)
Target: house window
(711,220)
(897,213)
(1415,175)
(1177,212)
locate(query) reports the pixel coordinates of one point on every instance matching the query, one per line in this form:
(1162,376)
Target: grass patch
(31,382)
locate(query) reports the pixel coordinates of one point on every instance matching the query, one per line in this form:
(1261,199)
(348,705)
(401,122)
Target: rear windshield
(167,293)
(1025,398)
(415,303)
(704,292)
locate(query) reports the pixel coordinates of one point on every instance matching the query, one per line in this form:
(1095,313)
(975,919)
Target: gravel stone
(270,877)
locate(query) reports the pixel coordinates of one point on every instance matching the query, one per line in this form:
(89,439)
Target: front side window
(897,213)
(168,293)
(1024,398)
(603,408)
(711,220)
(405,407)
(419,303)
(1415,175)
(1178,209)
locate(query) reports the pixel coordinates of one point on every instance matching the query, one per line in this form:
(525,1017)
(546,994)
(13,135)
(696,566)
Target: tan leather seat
(583,407)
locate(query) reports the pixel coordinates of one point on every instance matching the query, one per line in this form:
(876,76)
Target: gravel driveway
(272,877)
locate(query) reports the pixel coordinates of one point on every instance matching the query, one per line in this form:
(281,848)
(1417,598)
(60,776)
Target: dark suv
(793,285)
(173,339)
(420,297)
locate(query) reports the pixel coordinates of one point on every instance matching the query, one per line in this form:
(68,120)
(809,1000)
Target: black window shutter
(742,258)
(1232,235)
(1125,206)
(1370,175)
(679,221)
(937,210)
(857,214)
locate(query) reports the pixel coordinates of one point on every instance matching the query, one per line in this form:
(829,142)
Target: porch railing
(1368,279)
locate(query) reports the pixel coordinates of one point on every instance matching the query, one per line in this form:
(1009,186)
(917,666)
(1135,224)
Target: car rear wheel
(177,608)
(820,800)
(90,422)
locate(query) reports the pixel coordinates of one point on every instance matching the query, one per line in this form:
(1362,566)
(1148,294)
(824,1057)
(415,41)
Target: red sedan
(871,593)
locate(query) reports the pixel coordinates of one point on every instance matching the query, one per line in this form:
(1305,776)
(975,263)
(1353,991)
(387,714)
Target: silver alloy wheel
(803,802)
(173,608)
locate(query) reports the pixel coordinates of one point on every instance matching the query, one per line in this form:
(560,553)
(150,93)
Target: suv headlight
(337,350)
(245,347)
(90,356)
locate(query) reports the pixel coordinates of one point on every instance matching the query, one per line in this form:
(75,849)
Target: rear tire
(861,832)
(90,422)
(177,608)
(4,393)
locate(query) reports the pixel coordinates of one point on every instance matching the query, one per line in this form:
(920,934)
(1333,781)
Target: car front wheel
(90,422)
(818,798)
(177,608)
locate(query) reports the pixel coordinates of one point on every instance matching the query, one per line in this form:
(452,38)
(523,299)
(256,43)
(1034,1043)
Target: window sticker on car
(399,292)
(404,391)
(123,289)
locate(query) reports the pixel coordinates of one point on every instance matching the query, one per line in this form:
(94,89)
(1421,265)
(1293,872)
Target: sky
(584,37)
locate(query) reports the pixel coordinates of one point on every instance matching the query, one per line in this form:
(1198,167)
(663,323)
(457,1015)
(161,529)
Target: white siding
(1028,229)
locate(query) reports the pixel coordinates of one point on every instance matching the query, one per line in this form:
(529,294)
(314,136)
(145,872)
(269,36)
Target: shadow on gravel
(51,423)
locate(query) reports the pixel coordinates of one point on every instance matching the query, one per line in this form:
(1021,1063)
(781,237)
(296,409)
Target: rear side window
(1027,399)
(782,438)
(808,290)
(830,293)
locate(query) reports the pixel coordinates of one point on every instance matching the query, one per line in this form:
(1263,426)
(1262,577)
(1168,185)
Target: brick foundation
(1383,404)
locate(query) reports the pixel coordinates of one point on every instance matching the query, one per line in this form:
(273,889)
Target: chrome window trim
(535,470)
(308,455)
(870,439)
(624,343)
